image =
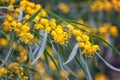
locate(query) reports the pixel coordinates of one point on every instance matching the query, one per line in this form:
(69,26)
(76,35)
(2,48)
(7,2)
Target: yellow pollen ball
(78,38)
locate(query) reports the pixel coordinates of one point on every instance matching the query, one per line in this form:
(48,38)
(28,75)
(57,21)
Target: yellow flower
(6,26)
(85,37)
(102,30)
(81,44)
(113,31)
(38,6)
(78,38)
(77,32)
(44,22)
(41,68)
(52,65)
(53,33)
(23,3)
(107,6)
(9,18)
(64,7)
(81,74)
(97,6)
(27,16)
(38,26)
(64,73)
(43,13)
(25,28)
(100,76)
(25,58)
(3,42)
(48,29)
(3,71)
(48,78)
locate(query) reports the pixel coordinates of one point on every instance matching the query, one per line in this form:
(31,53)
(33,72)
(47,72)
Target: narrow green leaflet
(52,14)
(72,54)
(74,22)
(52,60)
(67,68)
(59,59)
(65,20)
(99,38)
(109,65)
(30,53)
(4,7)
(85,67)
(42,48)
(32,17)
(9,52)
(36,48)
(20,17)
(29,74)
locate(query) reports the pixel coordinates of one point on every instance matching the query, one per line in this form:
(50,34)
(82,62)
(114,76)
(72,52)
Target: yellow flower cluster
(23,54)
(60,33)
(42,71)
(106,29)
(29,7)
(84,43)
(100,5)
(57,31)
(16,69)
(105,5)
(116,5)
(22,30)
(12,70)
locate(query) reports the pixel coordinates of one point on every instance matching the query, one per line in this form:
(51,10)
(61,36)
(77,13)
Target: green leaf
(46,58)
(59,19)
(52,60)
(36,48)
(30,53)
(82,64)
(20,17)
(9,51)
(63,51)
(74,22)
(85,67)
(59,60)
(99,38)
(30,77)
(67,68)
(72,54)
(52,14)
(109,65)
(32,17)
(5,7)
(43,45)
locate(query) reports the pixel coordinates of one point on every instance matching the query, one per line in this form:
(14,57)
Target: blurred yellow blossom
(64,7)
(100,76)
